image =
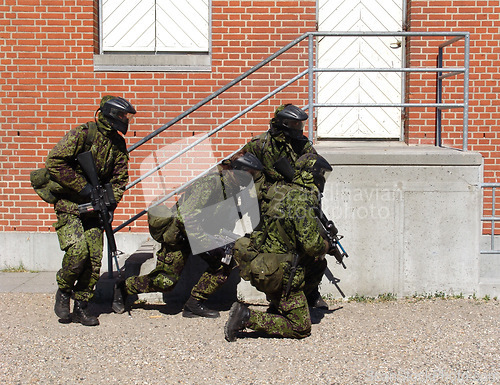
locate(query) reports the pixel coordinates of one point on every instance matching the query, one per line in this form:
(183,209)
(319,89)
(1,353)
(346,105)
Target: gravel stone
(406,341)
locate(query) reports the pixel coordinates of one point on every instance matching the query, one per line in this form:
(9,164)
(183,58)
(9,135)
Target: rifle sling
(89,140)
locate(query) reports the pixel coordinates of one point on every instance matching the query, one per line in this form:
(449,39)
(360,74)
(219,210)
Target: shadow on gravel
(174,300)
(318,314)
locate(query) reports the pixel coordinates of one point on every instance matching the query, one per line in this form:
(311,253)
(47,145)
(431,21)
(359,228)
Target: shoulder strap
(285,237)
(89,140)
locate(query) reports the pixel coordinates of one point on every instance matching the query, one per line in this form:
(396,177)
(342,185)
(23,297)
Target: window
(154,35)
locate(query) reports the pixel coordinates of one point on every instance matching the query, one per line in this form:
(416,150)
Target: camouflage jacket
(202,209)
(110,156)
(269,149)
(291,206)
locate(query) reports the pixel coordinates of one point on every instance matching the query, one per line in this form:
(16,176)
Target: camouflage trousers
(288,316)
(169,265)
(82,242)
(289,319)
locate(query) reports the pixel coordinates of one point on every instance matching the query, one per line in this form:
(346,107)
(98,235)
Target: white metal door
(359,52)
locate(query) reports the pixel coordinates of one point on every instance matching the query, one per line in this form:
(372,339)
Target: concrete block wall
(410,216)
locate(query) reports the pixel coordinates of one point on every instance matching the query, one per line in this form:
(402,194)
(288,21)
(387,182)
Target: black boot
(119,297)
(315,301)
(237,320)
(82,314)
(195,308)
(61,307)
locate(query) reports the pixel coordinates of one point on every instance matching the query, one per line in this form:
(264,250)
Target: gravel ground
(431,341)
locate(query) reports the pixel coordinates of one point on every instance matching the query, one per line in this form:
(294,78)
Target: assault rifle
(103,202)
(330,233)
(227,238)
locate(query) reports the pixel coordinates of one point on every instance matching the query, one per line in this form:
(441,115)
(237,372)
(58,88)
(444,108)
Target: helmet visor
(296,125)
(294,128)
(124,117)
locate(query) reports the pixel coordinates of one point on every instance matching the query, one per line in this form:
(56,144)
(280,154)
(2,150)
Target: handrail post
(493,190)
(310,88)
(439,96)
(466,92)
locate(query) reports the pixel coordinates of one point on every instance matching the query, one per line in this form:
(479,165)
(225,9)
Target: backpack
(164,226)
(263,270)
(44,186)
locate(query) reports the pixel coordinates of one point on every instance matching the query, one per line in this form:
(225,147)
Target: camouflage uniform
(269,148)
(175,247)
(80,236)
(291,206)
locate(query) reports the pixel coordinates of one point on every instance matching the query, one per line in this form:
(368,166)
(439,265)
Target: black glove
(86,191)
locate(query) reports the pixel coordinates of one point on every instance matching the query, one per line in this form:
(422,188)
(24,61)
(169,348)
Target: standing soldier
(200,204)
(81,235)
(285,257)
(284,139)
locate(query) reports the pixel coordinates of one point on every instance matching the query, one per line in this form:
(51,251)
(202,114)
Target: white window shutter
(128,25)
(182,25)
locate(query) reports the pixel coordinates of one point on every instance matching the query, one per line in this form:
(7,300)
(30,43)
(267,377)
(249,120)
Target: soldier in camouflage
(290,214)
(284,138)
(168,226)
(80,235)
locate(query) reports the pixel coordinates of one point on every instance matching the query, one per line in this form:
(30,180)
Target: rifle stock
(102,199)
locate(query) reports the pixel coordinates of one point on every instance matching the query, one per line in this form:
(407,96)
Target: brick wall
(482,19)
(48,85)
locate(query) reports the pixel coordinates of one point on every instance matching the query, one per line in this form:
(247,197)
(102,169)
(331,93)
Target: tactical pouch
(267,271)
(45,187)
(263,270)
(243,254)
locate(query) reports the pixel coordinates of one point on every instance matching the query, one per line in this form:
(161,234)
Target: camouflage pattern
(81,237)
(291,206)
(292,321)
(82,242)
(175,247)
(166,274)
(269,148)
(110,156)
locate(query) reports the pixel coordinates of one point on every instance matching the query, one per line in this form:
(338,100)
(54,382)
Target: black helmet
(311,169)
(246,162)
(288,119)
(117,111)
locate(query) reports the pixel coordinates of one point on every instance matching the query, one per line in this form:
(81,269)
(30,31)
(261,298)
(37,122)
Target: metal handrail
(311,71)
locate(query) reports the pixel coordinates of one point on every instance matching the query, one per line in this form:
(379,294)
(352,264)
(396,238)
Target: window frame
(162,61)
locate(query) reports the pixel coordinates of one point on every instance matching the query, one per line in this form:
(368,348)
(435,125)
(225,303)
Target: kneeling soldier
(285,257)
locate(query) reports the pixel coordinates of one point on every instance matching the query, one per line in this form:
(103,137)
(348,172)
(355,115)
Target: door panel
(358,52)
